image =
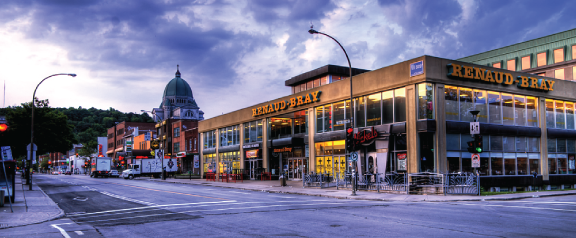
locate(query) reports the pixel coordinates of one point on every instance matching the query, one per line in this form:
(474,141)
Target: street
(114,207)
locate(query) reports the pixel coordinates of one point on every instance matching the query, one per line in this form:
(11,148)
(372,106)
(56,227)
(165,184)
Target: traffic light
(3,127)
(49,162)
(476,145)
(350,139)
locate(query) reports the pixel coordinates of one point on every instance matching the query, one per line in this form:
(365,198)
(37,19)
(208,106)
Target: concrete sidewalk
(30,207)
(295,187)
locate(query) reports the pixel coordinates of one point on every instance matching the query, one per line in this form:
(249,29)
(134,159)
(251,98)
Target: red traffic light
(350,130)
(122,162)
(120,157)
(49,162)
(3,127)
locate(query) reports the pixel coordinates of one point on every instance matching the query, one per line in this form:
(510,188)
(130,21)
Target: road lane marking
(79,233)
(535,208)
(146,207)
(61,231)
(156,190)
(128,199)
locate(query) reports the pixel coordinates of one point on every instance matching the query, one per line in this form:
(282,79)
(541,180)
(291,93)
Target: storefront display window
(562,164)
(480,100)
(496,165)
(209,163)
(552,145)
(425,101)
(301,122)
(400,105)
(552,164)
(534,166)
(507,109)
(508,143)
(229,136)
(509,166)
(320,119)
(496,143)
(521,144)
(327,118)
(229,162)
(373,112)
(451,100)
(561,145)
(280,127)
(522,165)
(484,166)
(520,110)
(533,144)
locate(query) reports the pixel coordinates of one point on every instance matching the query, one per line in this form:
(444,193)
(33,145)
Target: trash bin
(2,198)
(282,180)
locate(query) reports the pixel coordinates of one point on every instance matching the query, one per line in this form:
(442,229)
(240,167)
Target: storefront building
(417,116)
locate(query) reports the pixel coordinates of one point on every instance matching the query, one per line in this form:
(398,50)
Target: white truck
(149,167)
(101,166)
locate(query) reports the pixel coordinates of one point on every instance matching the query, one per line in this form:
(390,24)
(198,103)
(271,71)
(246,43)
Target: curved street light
(29,161)
(352,106)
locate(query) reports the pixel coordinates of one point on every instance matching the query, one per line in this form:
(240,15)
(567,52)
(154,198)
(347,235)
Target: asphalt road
(113,207)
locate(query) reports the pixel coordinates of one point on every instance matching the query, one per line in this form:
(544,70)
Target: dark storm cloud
(134,35)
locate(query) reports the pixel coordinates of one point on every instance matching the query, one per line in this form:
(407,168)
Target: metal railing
(462,183)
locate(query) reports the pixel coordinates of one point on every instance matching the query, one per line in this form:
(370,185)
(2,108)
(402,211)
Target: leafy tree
(52,132)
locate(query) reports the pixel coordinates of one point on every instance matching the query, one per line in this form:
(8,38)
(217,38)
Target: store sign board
(285,149)
(251,146)
(365,137)
(286,104)
(416,68)
(488,76)
(401,161)
(252,154)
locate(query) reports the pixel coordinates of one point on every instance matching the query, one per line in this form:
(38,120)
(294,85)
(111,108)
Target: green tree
(52,131)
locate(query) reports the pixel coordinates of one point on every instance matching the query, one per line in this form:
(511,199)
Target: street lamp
(352,106)
(29,162)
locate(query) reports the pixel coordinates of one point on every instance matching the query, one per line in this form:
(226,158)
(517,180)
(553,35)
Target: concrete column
(265,162)
(311,146)
(411,132)
(201,153)
(440,135)
(242,155)
(543,139)
(217,155)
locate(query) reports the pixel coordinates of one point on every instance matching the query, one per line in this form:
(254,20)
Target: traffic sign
(475,160)
(474,128)
(354,156)
(6,153)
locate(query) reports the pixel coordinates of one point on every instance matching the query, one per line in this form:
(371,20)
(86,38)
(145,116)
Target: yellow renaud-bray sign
(488,76)
(283,105)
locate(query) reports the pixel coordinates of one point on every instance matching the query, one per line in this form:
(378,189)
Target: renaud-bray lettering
(283,105)
(487,76)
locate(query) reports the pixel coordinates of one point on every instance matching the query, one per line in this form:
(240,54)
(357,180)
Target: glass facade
(253,131)
(330,158)
(559,114)
(229,162)
(541,58)
(209,139)
(494,107)
(209,162)
(288,125)
(425,101)
(230,135)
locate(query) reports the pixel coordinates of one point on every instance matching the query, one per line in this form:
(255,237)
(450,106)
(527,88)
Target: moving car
(68,173)
(55,172)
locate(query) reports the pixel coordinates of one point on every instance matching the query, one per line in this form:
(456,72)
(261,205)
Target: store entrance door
(295,168)
(253,168)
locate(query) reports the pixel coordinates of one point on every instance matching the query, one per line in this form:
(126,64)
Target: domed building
(177,102)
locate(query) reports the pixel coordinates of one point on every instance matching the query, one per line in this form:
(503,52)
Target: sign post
(475,160)
(31,148)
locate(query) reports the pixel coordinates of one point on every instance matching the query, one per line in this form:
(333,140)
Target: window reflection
(495,107)
(373,113)
(399,105)
(480,99)
(559,73)
(511,65)
(387,107)
(560,119)
(525,62)
(507,109)
(541,57)
(497,65)
(558,55)
(520,110)
(451,100)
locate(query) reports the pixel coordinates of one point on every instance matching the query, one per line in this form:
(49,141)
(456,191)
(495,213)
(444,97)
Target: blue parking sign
(416,68)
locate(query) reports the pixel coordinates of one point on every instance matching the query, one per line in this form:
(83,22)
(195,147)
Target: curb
(479,199)
(57,216)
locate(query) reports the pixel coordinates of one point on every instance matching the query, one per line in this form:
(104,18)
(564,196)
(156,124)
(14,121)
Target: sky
(237,53)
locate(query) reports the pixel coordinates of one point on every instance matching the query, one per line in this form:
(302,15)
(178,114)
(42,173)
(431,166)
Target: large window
(288,124)
(400,105)
(210,139)
(373,112)
(176,147)
(387,107)
(229,136)
(253,131)
(360,111)
(494,107)
(209,162)
(425,101)
(559,114)
(497,65)
(541,57)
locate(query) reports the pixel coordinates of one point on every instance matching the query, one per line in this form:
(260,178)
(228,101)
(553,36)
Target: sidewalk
(295,187)
(30,207)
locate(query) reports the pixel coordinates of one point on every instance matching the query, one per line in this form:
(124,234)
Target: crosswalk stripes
(128,199)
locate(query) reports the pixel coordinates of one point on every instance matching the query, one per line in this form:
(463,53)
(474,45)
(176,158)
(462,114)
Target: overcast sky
(236,53)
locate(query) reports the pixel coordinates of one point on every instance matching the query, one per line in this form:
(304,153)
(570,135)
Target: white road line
(61,231)
(79,233)
(128,199)
(146,207)
(535,208)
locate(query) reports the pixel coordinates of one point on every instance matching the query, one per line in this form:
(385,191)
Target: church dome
(177,87)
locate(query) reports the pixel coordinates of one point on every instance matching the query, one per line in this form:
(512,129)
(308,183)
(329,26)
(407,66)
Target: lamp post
(29,162)
(352,107)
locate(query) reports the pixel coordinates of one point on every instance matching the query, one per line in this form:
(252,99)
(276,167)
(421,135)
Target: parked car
(114,173)
(55,172)
(68,173)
